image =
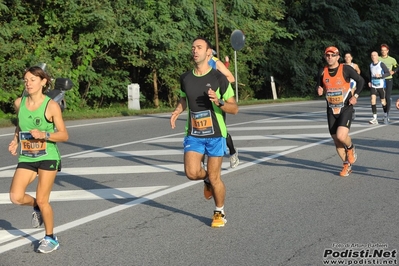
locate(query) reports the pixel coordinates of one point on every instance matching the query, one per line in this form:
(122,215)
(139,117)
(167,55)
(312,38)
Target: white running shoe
(374,121)
(234,161)
(37,219)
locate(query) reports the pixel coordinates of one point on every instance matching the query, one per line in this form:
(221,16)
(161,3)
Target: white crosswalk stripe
(93,194)
(170,152)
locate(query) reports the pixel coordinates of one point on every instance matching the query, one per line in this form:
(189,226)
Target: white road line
(115,170)
(136,169)
(97,123)
(103,148)
(164,152)
(268,128)
(9,235)
(111,170)
(123,120)
(256,137)
(284,121)
(22,239)
(93,194)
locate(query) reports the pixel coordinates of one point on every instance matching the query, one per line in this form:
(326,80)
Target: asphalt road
(122,197)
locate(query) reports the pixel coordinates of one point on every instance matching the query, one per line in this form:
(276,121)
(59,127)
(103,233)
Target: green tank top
(35,150)
(390,62)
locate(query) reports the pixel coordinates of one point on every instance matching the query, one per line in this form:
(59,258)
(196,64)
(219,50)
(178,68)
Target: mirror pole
(235,70)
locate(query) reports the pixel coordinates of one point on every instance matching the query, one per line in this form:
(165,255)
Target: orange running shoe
(208,193)
(346,170)
(351,155)
(219,219)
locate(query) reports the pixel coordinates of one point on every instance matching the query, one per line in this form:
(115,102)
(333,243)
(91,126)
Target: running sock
(350,146)
(384,107)
(230,145)
(220,209)
(36,208)
(374,110)
(52,236)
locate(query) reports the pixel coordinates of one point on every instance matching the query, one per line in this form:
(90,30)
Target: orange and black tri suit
(336,85)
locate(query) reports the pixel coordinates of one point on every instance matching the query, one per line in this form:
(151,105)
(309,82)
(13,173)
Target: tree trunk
(155,78)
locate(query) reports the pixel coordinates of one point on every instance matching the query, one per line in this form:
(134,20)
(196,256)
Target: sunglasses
(331,55)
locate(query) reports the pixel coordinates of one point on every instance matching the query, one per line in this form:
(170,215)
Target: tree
(105,45)
(317,24)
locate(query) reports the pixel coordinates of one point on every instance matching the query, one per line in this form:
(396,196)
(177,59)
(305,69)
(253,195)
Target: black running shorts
(343,119)
(380,91)
(48,165)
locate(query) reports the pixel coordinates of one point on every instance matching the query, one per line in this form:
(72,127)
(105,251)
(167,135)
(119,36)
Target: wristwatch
(221,103)
(47,136)
(356,95)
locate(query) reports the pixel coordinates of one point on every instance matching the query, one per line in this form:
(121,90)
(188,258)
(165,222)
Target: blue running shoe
(47,245)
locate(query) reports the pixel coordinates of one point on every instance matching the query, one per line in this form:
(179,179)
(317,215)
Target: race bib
(335,101)
(32,147)
(201,123)
(377,83)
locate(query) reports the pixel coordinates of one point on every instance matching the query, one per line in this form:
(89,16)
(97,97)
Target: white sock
(375,116)
(220,209)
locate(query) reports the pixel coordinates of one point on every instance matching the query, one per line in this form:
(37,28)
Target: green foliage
(103,46)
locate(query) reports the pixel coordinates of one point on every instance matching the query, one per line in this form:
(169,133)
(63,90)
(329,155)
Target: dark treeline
(105,45)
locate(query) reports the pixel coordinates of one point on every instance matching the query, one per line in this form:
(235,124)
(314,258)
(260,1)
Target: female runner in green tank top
(40,126)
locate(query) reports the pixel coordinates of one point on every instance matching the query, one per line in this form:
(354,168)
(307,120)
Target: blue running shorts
(213,147)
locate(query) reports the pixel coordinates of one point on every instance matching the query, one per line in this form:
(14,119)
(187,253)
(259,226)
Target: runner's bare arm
(223,69)
(13,146)
(181,106)
(356,67)
(230,106)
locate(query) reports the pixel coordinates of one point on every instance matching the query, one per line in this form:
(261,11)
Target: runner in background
(215,63)
(226,61)
(377,84)
(392,65)
(348,61)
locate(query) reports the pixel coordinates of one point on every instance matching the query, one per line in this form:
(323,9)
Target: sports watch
(47,136)
(221,103)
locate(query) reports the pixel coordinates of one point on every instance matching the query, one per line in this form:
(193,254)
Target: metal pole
(216,28)
(235,68)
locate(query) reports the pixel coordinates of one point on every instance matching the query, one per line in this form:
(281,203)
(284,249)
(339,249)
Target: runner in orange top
(334,81)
